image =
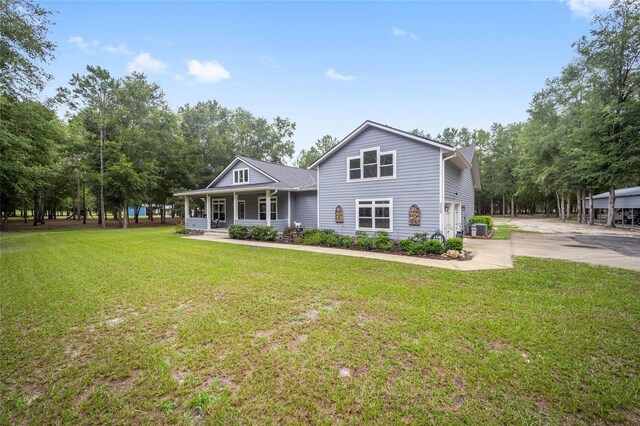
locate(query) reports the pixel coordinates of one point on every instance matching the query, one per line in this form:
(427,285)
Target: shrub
(181,228)
(330,240)
(482,219)
(381,241)
(363,240)
(313,239)
(410,247)
(453,244)
(344,241)
(239,232)
(433,247)
(309,232)
(420,237)
(263,233)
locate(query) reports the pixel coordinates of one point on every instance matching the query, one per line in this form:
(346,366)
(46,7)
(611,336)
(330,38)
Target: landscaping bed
(418,245)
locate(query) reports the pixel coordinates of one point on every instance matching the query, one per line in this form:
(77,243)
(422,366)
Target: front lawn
(142,326)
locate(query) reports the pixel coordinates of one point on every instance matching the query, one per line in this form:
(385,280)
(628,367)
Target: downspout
(442,180)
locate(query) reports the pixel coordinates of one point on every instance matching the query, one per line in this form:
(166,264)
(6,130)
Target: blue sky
(330,66)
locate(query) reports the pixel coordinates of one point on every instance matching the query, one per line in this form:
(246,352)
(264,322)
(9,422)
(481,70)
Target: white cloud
(207,72)
(81,43)
(399,32)
(121,48)
(587,8)
(145,62)
(333,75)
(270,60)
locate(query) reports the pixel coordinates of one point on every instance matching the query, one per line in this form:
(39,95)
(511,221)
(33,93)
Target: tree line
(582,134)
(121,145)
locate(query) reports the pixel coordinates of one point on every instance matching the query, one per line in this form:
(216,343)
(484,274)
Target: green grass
(142,326)
(504,231)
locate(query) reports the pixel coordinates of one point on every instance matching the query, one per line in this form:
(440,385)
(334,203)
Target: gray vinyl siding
(254,176)
(304,209)
(458,187)
(196,223)
(417,182)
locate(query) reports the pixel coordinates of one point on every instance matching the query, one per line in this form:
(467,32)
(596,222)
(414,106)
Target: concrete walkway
(488,254)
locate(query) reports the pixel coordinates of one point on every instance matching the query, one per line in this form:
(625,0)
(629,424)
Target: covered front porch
(221,209)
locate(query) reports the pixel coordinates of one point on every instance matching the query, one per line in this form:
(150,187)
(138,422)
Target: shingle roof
(291,177)
(468,152)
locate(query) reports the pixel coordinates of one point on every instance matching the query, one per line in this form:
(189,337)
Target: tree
(611,60)
(96,94)
(215,135)
(30,135)
(24,27)
(307,156)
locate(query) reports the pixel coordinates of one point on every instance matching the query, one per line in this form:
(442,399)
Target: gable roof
(624,192)
(290,177)
(372,124)
(469,153)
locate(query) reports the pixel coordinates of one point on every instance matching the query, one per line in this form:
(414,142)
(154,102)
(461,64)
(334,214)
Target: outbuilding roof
(624,192)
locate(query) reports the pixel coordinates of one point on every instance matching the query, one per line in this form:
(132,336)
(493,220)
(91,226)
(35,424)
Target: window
(240,176)
(372,164)
(219,209)
(262,208)
(241,210)
(374,214)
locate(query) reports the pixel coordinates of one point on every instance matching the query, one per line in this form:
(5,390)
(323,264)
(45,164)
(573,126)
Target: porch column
(288,209)
(186,209)
(235,207)
(208,210)
(268,200)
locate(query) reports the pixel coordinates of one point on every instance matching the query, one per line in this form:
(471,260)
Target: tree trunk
(163,214)
(504,205)
(578,207)
(5,221)
(103,217)
(591,212)
(546,208)
(513,207)
(568,215)
(125,221)
(491,208)
(136,212)
(562,215)
(150,207)
(611,214)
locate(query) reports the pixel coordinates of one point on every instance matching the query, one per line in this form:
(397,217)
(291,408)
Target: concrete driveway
(597,250)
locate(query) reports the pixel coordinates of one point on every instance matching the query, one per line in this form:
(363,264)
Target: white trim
(268,212)
(235,207)
(244,209)
(378,154)
(187,213)
(208,210)
(218,201)
(368,124)
(288,209)
(318,198)
(239,189)
(373,206)
(244,182)
(233,163)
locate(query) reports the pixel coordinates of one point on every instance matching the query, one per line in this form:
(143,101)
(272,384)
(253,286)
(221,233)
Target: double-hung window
(219,209)
(262,208)
(374,215)
(371,164)
(240,176)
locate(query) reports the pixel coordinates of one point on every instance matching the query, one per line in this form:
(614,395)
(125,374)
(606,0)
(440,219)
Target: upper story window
(372,164)
(240,176)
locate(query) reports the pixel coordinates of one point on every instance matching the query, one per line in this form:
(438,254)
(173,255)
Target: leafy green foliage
(263,233)
(24,28)
(487,220)
(239,232)
(453,244)
(433,247)
(381,241)
(410,246)
(345,241)
(320,237)
(307,156)
(364,241)
(420,237)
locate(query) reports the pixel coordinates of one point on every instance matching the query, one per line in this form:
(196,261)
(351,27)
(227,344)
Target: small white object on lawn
(345,372)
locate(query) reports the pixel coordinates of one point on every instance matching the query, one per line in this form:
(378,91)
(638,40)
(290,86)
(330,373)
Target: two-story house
(378,178)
